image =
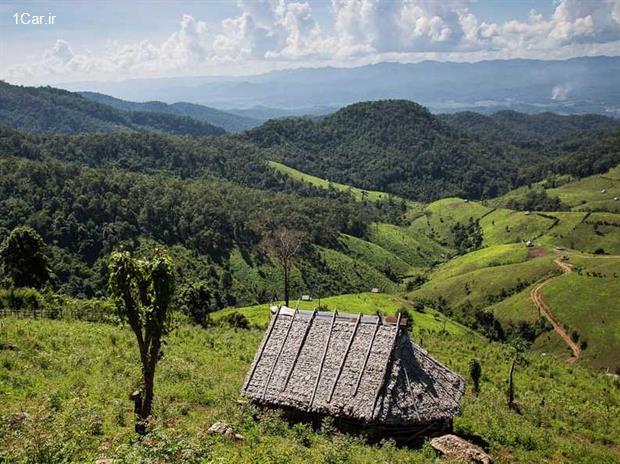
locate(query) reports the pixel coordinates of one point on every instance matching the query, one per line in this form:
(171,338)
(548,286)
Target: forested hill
(398,146)
(46,109)
(228,121)
(527,129)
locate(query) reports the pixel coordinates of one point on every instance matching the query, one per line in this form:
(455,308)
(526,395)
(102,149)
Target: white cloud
(276,32)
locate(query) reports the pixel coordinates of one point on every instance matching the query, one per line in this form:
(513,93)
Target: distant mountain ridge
(574,86)
(522,129)
(228,121)
(51,110)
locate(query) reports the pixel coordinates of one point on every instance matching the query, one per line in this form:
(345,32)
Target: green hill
(227,121)
(46,109)
(527,129)
(399,147)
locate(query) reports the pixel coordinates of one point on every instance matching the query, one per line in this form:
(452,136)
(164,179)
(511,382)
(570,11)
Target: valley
(495,250)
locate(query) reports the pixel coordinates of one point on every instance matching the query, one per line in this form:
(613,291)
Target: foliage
(22,259)
(467,237)
(46,109)
(143,290)
(475,371)
(537,200)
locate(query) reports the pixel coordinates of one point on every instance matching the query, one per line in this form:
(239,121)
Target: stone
(222,428)
(454,447)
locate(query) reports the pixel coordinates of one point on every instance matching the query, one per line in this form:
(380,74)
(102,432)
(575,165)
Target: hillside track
(544,308)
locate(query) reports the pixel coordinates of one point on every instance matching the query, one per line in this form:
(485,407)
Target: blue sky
(97,40)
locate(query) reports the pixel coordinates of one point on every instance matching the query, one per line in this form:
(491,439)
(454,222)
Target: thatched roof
(363,368)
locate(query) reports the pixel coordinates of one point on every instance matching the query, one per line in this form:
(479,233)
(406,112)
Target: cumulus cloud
(281,31)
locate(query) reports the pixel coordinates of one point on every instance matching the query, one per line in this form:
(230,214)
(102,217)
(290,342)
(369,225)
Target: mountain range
(578,85)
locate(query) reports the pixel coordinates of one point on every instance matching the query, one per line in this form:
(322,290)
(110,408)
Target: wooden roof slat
(318,377)
(385,368)
(370,344)
(262,350)
(344,357)
(299,348)
(275,363)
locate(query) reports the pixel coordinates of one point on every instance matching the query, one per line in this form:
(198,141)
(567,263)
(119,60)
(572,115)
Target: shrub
(237,320)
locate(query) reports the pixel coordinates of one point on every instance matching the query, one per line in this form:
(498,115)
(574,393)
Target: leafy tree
(198,301)
(283,245)
(475,371)
(142,290)
(23,260)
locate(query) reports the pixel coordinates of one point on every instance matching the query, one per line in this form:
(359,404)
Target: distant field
(486,257)
(358,194)
(581,195)
(413,247)
(481,286)
(374,255)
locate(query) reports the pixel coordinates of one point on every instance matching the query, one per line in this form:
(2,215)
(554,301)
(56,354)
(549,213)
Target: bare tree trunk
(286,285)
(511,386)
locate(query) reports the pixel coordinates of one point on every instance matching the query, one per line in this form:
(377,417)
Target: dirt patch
(536,252)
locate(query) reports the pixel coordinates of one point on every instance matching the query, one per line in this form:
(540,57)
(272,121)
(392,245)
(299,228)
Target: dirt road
(544,309)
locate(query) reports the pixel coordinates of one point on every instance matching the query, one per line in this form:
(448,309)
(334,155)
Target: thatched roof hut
(363,370)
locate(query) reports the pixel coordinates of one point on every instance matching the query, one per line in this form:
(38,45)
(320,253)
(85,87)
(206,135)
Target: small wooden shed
(364,371)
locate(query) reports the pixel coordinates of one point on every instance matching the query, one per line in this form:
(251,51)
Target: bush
(237,321)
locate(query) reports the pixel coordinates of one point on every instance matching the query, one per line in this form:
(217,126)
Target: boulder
(455,447)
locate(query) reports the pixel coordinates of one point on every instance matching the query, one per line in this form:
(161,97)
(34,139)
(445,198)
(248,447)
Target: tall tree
(142,290)
(283,245)
(22,258)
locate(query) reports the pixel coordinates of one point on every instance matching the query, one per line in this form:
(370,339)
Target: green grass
(481,286)
(72,380)
(365,303)
(358,194)
(414,248)
(486,257)
(581,194)
(374,255)
(589,305)
(518,307)
(586,194)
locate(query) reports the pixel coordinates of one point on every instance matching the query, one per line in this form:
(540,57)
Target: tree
(142,290)
(475,371)
(283,245)
(519,346)
(22,258)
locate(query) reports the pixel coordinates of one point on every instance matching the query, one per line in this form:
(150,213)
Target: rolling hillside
(399,147)
(227,121)
(50,110)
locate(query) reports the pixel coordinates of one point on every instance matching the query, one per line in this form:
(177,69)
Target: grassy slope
(413,247)
(374,255)
(358,194)
(581,195)
(365,303)
(589,305)
(254,277)
(486,257)
(72,379)
(480,286)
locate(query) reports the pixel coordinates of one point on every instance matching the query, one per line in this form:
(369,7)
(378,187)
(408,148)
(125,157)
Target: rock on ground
(455,447)
(222,428)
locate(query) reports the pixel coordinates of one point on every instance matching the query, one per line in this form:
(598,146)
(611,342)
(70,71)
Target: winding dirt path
(538,300)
